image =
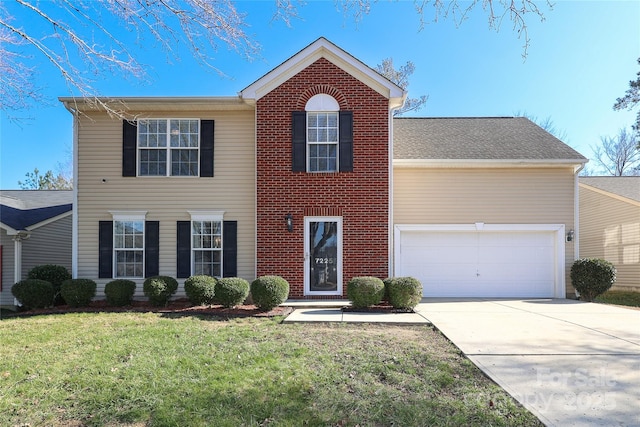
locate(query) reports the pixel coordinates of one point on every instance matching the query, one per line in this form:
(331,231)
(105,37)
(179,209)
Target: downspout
(576,217)
(74,216)
(390,241)
(576,212)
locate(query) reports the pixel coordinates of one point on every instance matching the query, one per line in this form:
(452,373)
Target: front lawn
(628,298)
(151,369)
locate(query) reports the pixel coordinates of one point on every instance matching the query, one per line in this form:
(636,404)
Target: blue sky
(580,59)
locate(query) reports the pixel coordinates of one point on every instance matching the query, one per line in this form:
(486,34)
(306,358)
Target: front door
(323,256)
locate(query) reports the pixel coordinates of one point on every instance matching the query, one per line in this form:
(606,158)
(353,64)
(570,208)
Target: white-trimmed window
(206,243)
(168,147)
(322,133)
(128,245)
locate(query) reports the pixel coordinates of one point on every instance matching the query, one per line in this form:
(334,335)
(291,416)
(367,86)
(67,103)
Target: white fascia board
(485,163)
(49,221)
(10,230)
(322,48)
(148,104)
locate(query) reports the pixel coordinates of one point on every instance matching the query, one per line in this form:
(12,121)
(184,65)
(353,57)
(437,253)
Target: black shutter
(299,141)
(105,249)
(230,249)
(206,147)
(151,248)
(346,141)
(183,249)
(129,149)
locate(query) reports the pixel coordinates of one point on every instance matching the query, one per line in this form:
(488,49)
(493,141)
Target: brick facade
(360,197)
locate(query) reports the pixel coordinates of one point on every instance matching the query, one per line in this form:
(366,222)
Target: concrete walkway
(568,362)
(331,311)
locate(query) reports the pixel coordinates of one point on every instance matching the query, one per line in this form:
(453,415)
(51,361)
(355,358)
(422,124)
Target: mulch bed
(179,307)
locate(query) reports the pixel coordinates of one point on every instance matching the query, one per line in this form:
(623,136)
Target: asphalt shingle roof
(477,138)
(625,186)
(20,209)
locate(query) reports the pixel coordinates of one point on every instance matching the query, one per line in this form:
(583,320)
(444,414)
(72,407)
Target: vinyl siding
(49,244)
(8,278)
(491,196)
(610,229)
(101,188)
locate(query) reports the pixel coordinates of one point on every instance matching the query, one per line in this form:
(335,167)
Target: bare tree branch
(81,46)
(401,78)
(619,155)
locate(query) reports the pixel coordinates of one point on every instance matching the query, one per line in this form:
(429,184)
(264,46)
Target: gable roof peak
(323,48)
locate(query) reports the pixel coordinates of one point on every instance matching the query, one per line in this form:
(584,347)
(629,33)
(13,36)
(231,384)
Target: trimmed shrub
(403,292)
(231,291)
(592,277)
(54,274)
(120,292)
(365,291)
(78,292)
(34,293)
(200,290)
(159,289)
(269,292)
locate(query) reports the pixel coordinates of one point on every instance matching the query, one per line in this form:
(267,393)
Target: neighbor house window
(322,141)
(128,246)
(168,147)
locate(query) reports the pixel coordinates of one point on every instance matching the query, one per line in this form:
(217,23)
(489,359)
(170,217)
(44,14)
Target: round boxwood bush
(403,292)
(78,292)
(269,292)
(200,290)
(231,291)
(592,276)
(33,293)
(54,274)
(365,291)
(159,289)
(120,292)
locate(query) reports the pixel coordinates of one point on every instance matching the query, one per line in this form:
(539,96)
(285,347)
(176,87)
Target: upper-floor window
(322,133)
(322,137)
(168,147)
(322,140)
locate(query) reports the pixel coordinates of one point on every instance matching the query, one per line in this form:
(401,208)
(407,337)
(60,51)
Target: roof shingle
(477,138)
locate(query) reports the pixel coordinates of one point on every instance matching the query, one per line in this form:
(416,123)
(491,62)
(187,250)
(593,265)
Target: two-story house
(306,174)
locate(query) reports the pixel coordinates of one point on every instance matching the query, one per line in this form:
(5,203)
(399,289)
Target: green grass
(628,298)
(152,370)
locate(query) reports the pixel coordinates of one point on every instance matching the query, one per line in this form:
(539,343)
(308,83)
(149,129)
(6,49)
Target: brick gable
(361,197)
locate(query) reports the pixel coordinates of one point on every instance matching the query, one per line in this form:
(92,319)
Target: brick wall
(360,197)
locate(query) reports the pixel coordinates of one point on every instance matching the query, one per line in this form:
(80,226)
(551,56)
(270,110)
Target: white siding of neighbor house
(101,188)
(6,298)
(490,196)
(610,229)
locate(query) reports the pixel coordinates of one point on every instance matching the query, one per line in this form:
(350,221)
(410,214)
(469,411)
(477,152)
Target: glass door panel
(323,256)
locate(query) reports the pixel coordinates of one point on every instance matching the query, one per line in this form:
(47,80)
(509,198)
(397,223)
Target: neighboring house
(35,229)
(610,225)
(305,174)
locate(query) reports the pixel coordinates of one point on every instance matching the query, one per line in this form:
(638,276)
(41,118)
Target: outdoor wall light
(289,220)
(570,236)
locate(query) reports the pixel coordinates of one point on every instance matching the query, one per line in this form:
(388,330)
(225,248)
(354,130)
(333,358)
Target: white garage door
(480,263)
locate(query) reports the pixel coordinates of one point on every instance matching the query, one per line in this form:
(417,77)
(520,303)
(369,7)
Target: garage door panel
(480,263)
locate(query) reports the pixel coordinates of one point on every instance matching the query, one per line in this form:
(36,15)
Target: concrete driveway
(570,363)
